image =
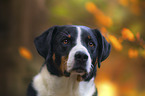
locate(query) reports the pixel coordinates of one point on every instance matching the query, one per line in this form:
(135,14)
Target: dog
(72,54)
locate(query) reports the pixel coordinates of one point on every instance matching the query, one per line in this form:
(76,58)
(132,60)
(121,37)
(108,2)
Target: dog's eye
(91,43)
(65,41)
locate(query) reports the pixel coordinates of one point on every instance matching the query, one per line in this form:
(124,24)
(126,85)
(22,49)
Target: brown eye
(91,43)
(66,41)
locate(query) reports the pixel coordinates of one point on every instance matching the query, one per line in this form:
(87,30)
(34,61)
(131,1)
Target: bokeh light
(106,88)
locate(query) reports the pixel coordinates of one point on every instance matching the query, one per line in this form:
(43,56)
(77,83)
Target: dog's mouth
(79,71)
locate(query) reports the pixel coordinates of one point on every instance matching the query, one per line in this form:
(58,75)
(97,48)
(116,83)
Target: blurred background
(122,22)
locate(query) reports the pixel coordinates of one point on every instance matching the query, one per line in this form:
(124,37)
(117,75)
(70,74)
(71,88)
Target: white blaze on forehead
(79,35)
(76,48)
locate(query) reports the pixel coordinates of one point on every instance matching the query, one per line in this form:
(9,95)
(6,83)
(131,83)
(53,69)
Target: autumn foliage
(115,42)
(99,15)
(132,53)
(24,52)
(126,34)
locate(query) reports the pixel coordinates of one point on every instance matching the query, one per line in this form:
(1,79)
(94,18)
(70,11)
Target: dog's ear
(104,47)
(43,42)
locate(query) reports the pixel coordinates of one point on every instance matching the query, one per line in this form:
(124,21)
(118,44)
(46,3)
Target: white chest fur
(49,85)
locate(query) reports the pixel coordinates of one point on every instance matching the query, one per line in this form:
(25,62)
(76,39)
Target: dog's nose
(81,57)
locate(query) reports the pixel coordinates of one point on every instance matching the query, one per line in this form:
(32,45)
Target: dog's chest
(48,85)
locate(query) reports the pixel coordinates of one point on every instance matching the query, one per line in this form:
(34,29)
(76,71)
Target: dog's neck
(52,85)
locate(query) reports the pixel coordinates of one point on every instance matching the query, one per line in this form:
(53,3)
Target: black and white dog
(71,54)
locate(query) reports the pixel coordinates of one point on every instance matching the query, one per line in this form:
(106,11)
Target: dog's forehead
(86,31)
(73,29)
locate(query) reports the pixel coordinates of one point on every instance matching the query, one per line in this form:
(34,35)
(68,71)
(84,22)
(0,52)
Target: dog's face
(72,49)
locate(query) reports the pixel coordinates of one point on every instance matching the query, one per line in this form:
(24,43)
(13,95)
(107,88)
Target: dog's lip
(79,71)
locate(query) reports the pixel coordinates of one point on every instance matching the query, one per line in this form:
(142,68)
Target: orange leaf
(138,36)
(104,31)
(127,34)
(24,52)
(91,7)
(116,44)
(123,2)
(104,20)
(99,15)
(132,53)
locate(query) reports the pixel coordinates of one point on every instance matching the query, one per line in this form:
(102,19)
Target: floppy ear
(43,42)
(104,47)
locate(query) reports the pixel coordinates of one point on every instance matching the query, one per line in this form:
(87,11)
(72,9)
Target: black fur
(47,44)
(104,47)
(50,42)
(102,52)
(31,91)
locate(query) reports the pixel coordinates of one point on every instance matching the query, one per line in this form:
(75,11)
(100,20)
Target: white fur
(49,85)
(78,47)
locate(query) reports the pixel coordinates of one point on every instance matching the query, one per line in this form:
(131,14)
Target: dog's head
(72,49)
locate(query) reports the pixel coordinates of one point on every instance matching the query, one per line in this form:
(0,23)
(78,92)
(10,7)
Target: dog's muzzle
(80,63)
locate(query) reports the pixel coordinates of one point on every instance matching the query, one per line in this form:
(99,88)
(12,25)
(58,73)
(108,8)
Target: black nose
(81,57)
